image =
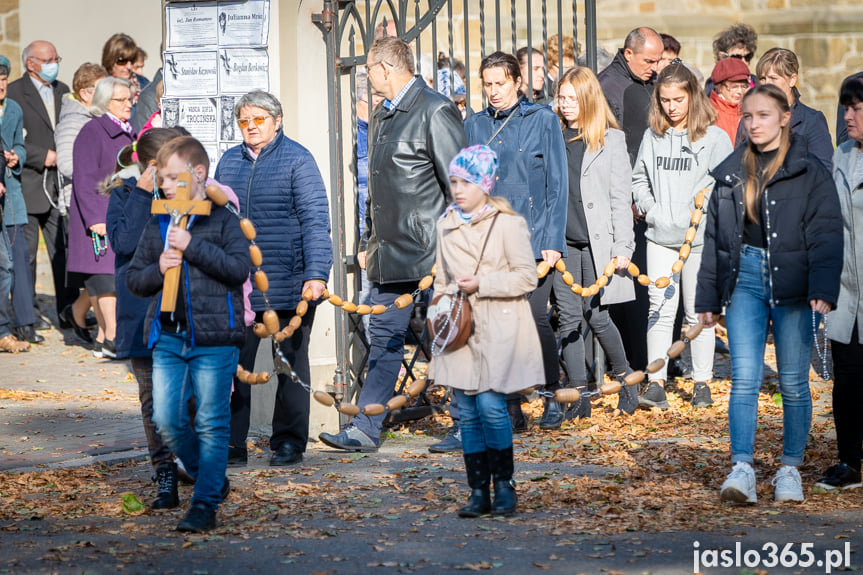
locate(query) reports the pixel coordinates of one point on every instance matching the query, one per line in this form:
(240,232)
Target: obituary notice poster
(216,51)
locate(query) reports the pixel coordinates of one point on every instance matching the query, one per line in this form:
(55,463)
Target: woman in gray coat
(598,228)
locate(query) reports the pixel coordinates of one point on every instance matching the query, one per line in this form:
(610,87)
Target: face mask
(49,72)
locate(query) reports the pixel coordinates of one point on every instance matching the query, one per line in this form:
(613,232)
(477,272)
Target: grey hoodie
(73,116)
(667,175)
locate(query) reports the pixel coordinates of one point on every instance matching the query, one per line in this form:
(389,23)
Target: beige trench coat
(503,353)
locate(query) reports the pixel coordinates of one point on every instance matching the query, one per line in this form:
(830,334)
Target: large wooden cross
(179,209)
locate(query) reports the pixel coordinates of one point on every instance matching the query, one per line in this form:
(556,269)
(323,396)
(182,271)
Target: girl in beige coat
(503,353)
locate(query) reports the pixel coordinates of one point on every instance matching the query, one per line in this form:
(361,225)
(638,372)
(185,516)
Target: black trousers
(291,412)
(631,317)
(848,399)
(53,227)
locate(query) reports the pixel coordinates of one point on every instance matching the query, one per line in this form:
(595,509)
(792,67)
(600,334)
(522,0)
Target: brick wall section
(826,35)
(10,35)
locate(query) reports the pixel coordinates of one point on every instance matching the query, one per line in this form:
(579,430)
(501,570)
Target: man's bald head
(36,53)
(642,51)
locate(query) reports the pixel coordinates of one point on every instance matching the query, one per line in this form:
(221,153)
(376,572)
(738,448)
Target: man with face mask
(39,94)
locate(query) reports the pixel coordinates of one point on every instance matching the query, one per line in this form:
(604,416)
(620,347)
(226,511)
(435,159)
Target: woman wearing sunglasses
(119,55)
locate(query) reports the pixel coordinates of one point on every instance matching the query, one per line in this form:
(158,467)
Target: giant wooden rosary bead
(684,251)
(349,306)
(643,280)
(560,265)
(262,377)
(601,281)
(323,398)
(610,388)
(280,336)
(567,278)
(690,234)
(217,195)
(248,229)
(349,409)
(609,267)
(426,283)
(271,321)
(634,378)
(261,281)
(364,309)
(378,309)
(416,387)
(696,217)
(542,269)
(676,349)
(632,269)
(576,289)
(403,301)
(308,294)
(677,266)
(693,331)
(662,283)
(374,409)
(287,332)
(397,402)
(256,255)
(654,365)
(699,199)
(335,300)
(261,330)
(567,395)
(302,308)
(295,322)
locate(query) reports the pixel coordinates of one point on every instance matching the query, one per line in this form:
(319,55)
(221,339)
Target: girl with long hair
(679,149)
(598,228)
(772,259)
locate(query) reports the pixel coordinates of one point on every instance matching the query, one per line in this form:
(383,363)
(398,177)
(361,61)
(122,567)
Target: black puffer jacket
(410,148)
(215,265)
(804,237)
(629,97)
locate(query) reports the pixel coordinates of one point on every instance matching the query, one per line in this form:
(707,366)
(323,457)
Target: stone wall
(826,35)
(10,35)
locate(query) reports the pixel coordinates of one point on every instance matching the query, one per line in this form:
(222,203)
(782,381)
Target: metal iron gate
(465,30)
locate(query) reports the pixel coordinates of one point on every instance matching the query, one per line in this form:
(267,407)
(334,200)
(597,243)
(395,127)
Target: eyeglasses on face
(746,57)
(243,123)
(122,100)
(567,100)
(56,60)
(125,61)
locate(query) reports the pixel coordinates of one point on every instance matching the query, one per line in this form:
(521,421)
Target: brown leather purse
(449,317)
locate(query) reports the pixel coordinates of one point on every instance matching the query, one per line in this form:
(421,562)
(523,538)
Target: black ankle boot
(516,416)
(552,416)
(166,496)
(581,409)
(501,465)
(476,465)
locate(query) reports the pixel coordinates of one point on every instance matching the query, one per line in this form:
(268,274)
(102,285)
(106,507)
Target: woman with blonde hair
(678,152)
(599,192)
(780,67)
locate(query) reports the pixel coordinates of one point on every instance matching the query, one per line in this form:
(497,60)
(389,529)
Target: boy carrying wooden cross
(195,346)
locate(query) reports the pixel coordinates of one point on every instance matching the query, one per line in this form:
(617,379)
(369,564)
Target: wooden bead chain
(661,282)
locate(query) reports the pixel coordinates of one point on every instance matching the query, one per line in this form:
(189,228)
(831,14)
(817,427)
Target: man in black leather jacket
(413,135)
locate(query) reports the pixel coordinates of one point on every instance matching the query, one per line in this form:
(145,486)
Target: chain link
(822,352)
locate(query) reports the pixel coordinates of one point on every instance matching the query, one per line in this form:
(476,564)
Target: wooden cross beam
(179,209)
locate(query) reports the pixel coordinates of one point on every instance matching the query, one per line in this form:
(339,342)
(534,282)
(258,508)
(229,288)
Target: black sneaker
(840,476)
(553,415)
(449,444)
(109,350)
(199,518)
(653,396)
(701,395)
(166,494)
(237,456)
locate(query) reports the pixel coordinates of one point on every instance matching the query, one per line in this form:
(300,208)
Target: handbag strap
(485,243)
(500,128)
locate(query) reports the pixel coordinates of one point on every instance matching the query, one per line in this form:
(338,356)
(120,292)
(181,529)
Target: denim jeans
(747,318)
(484,421)
(5,282)
(386,351)
(205,373)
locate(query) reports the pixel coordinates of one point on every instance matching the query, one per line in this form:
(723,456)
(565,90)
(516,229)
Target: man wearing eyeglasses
(39,94)
(413,135)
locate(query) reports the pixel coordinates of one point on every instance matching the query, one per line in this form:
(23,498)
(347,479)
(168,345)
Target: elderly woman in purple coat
(94,157)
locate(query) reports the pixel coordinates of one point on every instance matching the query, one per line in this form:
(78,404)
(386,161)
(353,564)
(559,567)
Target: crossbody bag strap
(485,243)
(502,126)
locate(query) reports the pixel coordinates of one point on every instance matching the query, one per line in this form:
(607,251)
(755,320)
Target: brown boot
(11,344)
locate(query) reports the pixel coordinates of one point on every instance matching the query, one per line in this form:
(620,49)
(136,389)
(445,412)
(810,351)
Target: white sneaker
(788,485)
(739,486)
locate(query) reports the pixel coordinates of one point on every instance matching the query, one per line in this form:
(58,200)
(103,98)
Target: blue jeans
(484,421)
(5,281)
(747,317)
(205,372)
(386,352)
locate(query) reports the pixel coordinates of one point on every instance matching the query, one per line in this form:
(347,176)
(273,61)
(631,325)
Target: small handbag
(449,316)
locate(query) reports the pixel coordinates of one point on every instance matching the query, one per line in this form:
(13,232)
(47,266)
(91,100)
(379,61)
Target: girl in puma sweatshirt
(678,151)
